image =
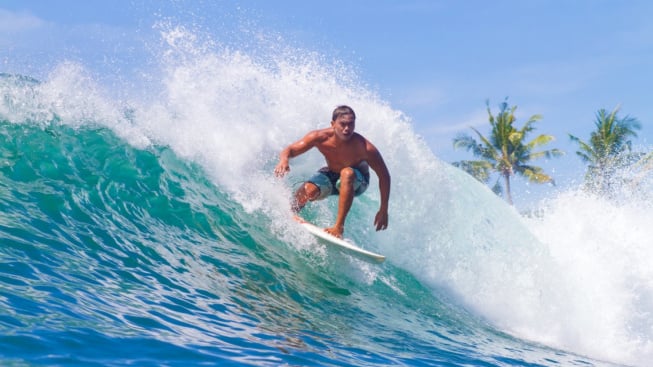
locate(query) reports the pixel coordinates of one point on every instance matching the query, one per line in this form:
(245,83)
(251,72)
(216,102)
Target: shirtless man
(348,157)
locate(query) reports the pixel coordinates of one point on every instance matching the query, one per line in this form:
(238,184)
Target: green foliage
(505,151)
(608,150)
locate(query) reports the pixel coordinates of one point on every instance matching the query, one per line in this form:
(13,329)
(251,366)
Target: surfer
(348,157)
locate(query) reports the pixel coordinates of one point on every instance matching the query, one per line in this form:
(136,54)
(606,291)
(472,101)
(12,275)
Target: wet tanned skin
(342,149)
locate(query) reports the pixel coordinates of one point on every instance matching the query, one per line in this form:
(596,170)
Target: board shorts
(329,182)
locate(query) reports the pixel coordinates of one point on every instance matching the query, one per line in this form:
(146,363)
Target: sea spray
(603,249)
(233,113)
(230,113)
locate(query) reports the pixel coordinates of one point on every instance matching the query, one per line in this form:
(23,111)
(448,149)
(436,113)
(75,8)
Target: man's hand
(281,169)
(381,220)
(335,231)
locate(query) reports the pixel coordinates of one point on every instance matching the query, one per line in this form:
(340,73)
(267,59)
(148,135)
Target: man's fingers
(381,222)
(281,171)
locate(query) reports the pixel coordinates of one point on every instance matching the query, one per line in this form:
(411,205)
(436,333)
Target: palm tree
(608,149)
(506,151)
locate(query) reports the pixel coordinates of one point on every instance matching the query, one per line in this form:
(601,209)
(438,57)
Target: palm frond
(504,151)
(608,149)
(480,170)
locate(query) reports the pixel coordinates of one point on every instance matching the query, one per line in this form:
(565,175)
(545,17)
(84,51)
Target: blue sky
(437,61)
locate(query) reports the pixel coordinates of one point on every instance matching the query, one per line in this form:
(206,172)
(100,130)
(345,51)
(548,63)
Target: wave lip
(157,222)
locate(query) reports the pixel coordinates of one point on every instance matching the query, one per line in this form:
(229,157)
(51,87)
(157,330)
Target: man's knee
(307,192)
(347,175)
(311,191)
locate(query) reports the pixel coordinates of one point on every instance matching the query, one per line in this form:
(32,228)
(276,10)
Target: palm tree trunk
(506,178)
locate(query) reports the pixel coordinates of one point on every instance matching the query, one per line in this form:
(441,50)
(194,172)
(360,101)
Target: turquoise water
(151,231)
(114,255)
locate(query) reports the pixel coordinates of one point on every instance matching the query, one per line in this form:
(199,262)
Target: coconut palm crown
(608,149)
(505,151)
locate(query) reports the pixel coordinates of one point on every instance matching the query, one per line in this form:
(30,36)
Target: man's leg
(346,198)
(307,192)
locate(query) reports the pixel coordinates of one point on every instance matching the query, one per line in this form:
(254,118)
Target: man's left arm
(375,160)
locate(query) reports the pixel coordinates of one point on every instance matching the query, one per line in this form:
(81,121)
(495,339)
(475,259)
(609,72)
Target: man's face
(344,126)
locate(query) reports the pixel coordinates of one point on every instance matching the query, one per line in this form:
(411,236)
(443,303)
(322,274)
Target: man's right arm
(293,150)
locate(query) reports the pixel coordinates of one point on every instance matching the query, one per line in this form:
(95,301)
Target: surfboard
(344,245)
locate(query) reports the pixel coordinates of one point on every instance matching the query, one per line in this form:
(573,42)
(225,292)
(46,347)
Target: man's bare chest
(343,155)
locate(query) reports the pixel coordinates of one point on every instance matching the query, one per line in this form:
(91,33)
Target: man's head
(342,110)
(344,122)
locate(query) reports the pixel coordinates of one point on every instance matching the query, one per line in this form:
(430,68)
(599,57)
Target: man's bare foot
(298,219)
(335,231)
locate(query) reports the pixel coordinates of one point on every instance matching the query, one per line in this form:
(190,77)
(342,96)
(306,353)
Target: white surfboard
(343,245)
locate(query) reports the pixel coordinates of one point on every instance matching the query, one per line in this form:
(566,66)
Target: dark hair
(342,110)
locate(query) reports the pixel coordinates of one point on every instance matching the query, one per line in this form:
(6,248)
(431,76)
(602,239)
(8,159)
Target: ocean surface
(146,228)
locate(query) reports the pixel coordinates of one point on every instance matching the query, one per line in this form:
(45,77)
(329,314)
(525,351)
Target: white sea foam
(603,251)
(578,278)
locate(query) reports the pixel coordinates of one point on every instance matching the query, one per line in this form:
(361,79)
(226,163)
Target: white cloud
(11,22)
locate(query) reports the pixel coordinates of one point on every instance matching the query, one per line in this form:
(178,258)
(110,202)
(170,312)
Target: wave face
(150,230)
